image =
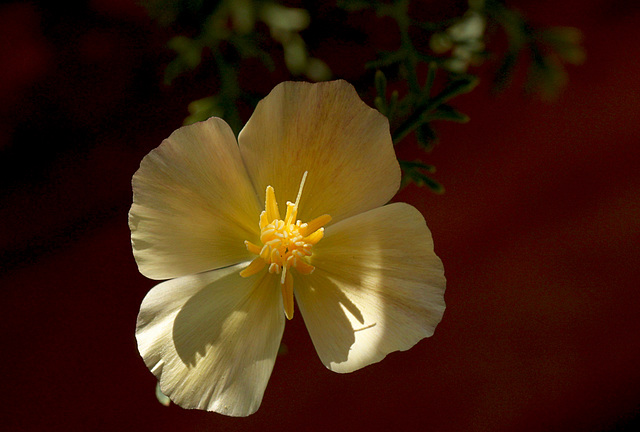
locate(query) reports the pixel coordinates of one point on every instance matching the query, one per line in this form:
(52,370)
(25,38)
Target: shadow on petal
(378,288)
(205,316)
(332,318)
(212,338)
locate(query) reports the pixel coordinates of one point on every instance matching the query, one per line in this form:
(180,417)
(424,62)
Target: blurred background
(539,231)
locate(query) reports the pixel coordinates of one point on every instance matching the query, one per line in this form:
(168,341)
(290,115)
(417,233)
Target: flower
(205,215)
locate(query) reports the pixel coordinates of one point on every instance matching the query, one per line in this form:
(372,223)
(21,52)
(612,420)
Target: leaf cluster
(420,105)
(415,84)
(234,31)
(457,45)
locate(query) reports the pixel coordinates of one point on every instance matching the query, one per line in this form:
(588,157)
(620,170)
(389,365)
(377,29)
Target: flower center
(286,243)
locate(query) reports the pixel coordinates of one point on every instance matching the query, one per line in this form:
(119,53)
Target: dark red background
(539,233)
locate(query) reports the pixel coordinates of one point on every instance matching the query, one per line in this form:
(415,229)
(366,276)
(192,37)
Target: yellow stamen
(270,205)
(253,268)
(287,295)
(315,236)
(314,225)
(304,268)
(252,248)
(292,208)
(263,220)
(286,244)
(292,212)
(304,179)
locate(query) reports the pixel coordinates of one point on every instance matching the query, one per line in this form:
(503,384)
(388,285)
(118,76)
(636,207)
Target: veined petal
(327,130)
(378,287)
(193,204)
(212,339)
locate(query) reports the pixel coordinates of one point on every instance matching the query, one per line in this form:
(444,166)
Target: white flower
(205,216)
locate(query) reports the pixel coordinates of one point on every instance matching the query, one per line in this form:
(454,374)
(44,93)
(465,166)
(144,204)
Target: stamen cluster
(285,244)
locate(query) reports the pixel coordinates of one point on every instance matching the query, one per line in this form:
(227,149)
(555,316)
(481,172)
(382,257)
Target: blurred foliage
(414,84)
(229,30)
(547,48)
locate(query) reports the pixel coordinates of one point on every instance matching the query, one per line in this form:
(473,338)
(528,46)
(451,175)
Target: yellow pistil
(286,243)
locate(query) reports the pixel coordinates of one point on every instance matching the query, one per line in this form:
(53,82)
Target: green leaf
(295,54)
(427,137)
(381,84)
(392,106)
(204,108)
(431,76)
(416,164)
(189,54)
(317,70)
(504,74)
(459,86)
(546,75)
(386,59)
(414,171)
(380,105)
(284,18)
(187,49)
(449,113)
(247,46)
(565,42)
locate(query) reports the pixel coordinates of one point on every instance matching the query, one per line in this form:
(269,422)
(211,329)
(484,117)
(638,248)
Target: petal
(212,339)
(193,204)
(378,287)
(327,130)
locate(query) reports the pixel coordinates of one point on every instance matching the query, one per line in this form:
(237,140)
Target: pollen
(286,244)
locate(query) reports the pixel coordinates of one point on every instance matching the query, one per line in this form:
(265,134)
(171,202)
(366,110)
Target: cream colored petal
(325,129)
(212,339)
(378,287)
(193,204)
